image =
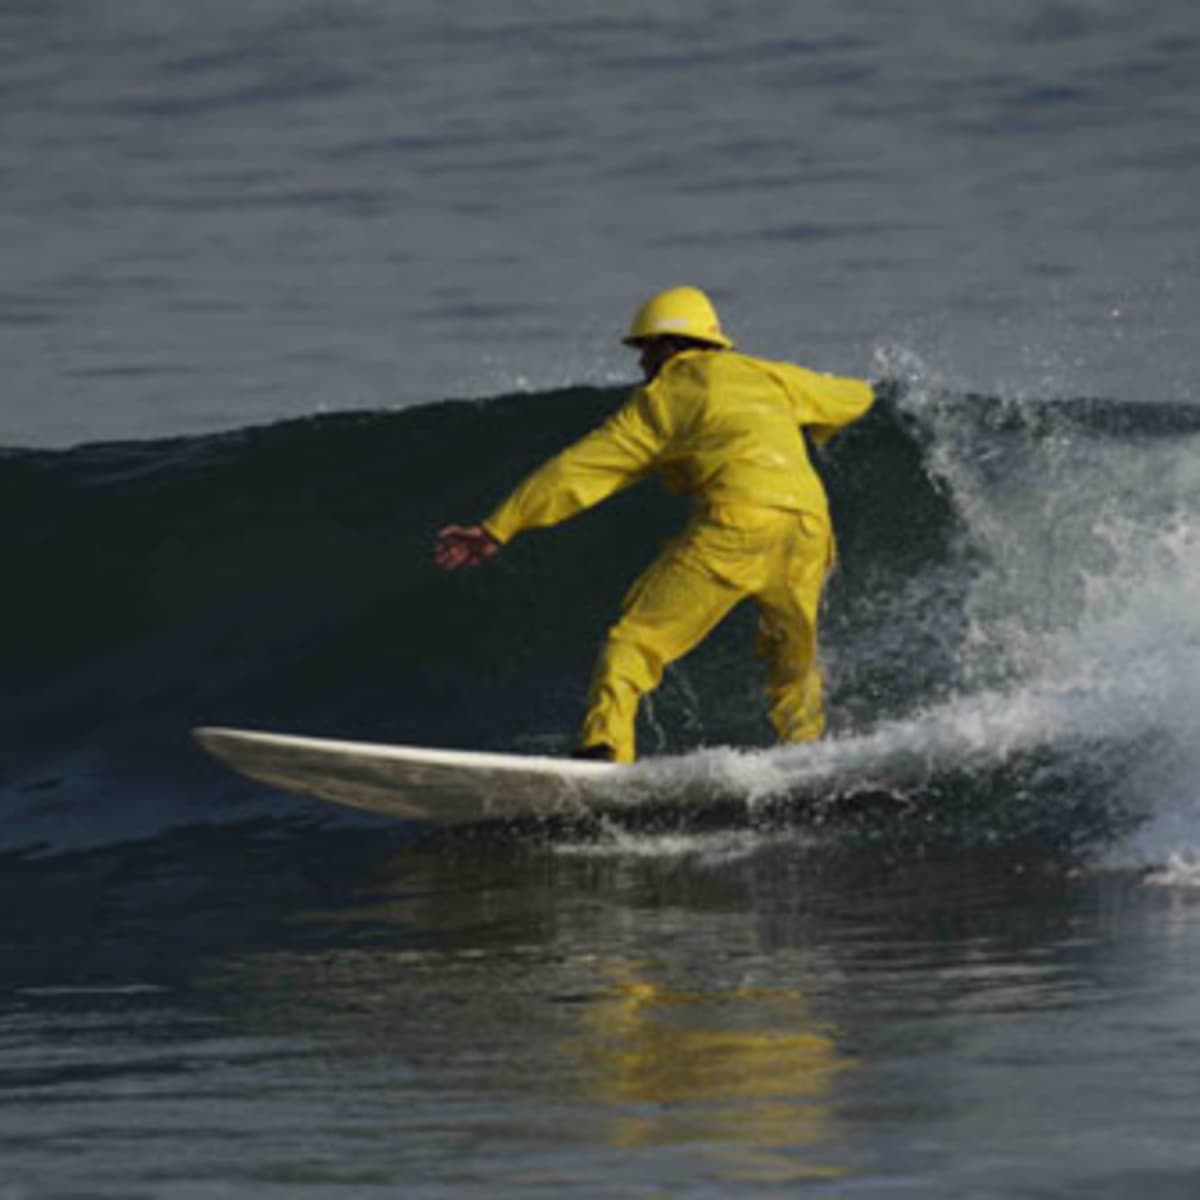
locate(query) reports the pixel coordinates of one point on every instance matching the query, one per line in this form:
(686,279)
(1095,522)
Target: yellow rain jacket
(727,429)
(715,424)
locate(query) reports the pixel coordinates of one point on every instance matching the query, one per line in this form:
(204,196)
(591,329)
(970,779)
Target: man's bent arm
(824,403)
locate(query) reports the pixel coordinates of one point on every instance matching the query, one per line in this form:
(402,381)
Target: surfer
(729,430)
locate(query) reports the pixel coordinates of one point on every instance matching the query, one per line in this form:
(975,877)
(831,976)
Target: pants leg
(671,608)
(787,641)
(725,555)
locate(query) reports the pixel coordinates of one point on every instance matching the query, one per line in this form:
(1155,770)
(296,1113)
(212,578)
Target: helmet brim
(636,342)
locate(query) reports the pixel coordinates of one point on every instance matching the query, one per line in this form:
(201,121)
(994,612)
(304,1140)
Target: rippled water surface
(218,215)
(756,1016)
(225,212)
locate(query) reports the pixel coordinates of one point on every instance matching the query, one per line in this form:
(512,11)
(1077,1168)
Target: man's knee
(630,660)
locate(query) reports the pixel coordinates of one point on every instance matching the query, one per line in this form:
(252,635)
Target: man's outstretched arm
(605,461)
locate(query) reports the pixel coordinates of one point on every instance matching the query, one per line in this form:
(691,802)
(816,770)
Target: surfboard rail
(446,787)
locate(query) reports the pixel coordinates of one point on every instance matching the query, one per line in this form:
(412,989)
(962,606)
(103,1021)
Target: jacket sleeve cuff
(497,530)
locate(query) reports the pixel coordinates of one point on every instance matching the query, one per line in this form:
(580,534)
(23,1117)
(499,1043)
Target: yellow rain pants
(730,430)
(725,555)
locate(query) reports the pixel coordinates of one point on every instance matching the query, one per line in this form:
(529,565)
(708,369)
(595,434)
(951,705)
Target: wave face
(1015,578)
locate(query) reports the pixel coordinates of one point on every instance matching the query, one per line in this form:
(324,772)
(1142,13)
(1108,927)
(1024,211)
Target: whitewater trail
(1079,668)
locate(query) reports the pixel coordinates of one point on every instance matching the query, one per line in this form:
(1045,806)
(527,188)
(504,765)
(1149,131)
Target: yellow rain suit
(726,428)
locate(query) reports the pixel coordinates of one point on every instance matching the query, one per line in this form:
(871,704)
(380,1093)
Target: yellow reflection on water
(744,1072)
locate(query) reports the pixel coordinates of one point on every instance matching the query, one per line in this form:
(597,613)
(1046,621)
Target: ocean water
(227,212)
(287,287)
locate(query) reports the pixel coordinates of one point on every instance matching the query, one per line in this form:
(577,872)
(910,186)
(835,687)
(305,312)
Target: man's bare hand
(463,546)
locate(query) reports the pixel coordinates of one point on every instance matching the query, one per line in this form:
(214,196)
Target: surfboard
(445,787)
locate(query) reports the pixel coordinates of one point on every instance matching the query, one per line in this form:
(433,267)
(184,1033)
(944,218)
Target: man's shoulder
(738,361)
(719,364)
(732,372)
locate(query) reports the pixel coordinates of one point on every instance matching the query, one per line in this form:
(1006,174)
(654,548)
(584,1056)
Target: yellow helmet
(679,312)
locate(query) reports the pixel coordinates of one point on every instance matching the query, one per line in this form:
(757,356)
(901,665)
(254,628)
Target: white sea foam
(1084,612)
(1083,630)
(712,848)
(1179,870)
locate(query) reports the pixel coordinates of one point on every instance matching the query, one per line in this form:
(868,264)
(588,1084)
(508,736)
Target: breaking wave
(1012,636)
